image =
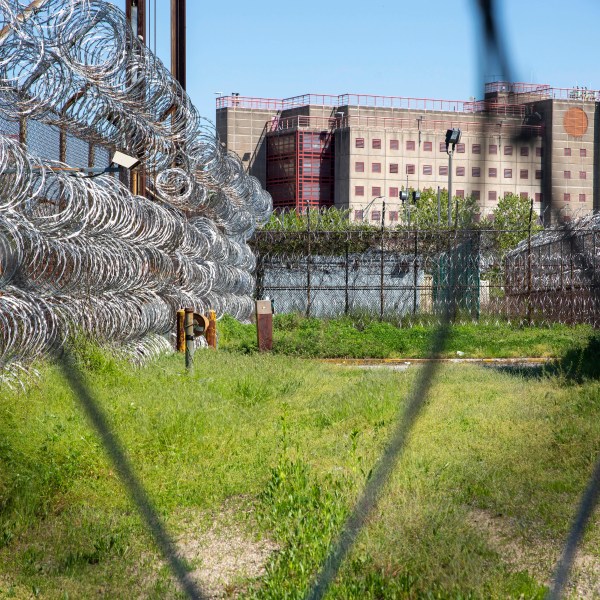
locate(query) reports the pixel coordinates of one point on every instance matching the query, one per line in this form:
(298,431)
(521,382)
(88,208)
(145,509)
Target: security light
(452,137)
(403,195)
(416,196)
(124,160)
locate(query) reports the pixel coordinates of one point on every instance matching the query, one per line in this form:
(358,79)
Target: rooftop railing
(369,101)
(318,123)
(544,91)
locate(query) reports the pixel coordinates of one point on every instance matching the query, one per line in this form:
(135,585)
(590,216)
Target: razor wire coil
(85,253)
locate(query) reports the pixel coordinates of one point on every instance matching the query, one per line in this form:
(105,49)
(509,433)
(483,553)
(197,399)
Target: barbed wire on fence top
(406,276)
(54,69)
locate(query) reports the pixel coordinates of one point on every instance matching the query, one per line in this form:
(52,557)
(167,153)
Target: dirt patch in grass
(222,550)
(523,551)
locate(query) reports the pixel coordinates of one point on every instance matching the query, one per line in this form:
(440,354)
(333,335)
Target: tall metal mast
(178,39)
(135,11)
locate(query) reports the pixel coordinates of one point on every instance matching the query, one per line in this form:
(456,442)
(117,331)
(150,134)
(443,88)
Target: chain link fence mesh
(408,277)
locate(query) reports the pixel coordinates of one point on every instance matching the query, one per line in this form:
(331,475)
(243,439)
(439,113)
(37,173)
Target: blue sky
(425,48)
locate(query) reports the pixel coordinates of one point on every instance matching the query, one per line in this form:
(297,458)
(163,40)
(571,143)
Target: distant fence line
(410,275)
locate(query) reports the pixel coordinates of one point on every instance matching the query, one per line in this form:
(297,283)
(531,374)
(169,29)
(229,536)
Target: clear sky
(426,48)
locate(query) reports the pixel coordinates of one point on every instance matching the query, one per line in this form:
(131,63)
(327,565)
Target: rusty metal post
(62,145)
(91,155)
(264,325)
(211,332)
(181,330)
(23,131)
(189,338)
(178,39)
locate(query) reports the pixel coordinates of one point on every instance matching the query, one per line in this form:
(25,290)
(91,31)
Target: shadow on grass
(577,365)
(580,364)
(526,371)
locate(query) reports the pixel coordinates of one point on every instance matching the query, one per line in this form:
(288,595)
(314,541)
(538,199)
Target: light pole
(452,138)
(405,199)
(370,203)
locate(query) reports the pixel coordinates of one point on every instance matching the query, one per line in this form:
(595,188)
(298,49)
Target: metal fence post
(308,260)
(529,265)
(382,270)
(23,131)
(189,338)
(416,272)
(259,279)
(347,277)
(181,330)
(91,155)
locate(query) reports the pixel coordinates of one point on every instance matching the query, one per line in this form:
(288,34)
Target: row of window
(359,167)
(376,215)
(359,190)
(582,152)
(460,148)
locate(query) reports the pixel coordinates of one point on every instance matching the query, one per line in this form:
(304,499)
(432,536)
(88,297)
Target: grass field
(295,335)
(262,457)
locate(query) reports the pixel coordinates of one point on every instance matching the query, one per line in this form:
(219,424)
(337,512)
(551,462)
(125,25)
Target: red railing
(367,100)
(544,91)
(516,87)
(422,104)
(327,123)
(273,104)
(427,104)
(310,99)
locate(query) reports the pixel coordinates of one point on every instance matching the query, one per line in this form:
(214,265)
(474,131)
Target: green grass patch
(291,443)
(295,335)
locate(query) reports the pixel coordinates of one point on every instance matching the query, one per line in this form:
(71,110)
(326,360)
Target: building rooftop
(517,92)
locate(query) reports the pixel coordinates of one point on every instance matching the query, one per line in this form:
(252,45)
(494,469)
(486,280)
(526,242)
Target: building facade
(353,151)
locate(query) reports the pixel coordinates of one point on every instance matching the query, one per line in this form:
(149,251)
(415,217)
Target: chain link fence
(409,276)
(53,143)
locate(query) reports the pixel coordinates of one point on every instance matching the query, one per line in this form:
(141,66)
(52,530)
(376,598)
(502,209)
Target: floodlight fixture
(125,161)
(416,195)
(403,195)
(452,137)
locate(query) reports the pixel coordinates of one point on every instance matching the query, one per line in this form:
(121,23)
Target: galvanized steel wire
(85,253)
(408,275)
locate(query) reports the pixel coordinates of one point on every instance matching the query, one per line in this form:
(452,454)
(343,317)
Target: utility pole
(178,39)
(135,12)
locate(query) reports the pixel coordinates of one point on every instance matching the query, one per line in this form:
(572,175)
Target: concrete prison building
(533,140)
